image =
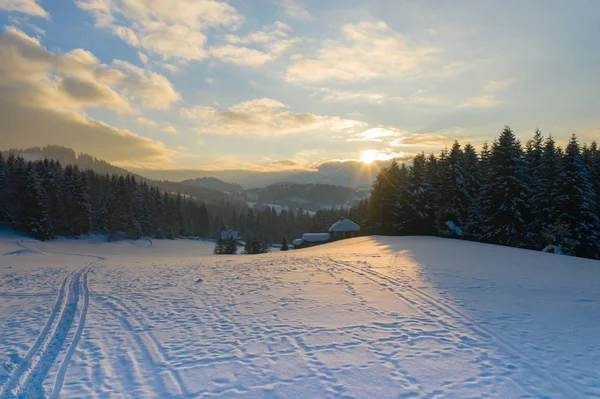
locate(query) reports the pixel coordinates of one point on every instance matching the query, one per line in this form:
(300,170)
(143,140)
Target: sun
(368,156)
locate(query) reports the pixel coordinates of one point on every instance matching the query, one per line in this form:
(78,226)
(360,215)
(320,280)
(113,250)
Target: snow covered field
(404,317)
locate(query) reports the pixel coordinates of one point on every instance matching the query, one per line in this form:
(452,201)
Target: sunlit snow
(403,317)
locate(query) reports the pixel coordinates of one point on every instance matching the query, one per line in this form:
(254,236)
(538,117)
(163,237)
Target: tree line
(538,196)
(45,200)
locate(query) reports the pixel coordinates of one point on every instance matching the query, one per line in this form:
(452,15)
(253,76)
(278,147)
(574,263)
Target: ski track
(153,356)
(60,377)
(27,379)
(217,343)
(516,354)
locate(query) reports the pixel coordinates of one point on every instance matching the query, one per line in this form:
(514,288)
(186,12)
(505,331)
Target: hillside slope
(213,184)
(371,317)
(67,156)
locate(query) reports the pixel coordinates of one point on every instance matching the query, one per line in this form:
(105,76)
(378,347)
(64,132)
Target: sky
(289,84)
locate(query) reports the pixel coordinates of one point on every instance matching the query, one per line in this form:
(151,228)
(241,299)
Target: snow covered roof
(315,237)
(230,234)
(297,241)
(344,225)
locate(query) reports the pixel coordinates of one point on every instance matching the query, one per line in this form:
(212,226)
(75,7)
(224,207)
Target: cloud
(267,34)
(29,7)
(437,140)
(382,155)
(143,57)
(77,79)
(333,95)
(336,95)
(377,134)
(284,162)
(170,67)
(28,125)
(241,55)
(292,9)
(483,101)
(152,89)
(272,40)
(42,94)
(497,85)
(368,50)
(150,123)
(264,116)
(210,81)
(92,93)
(170,29)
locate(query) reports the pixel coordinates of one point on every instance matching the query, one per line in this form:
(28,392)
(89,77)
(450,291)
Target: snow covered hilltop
(368,317)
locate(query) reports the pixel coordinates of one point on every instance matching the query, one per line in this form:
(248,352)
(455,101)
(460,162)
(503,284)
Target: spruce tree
(506,193)
(534,155)
(576,204)
(35,219)
(547,182)
(384,198)
(420,205)
(454,197)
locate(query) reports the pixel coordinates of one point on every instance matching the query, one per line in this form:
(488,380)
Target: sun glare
(368,156)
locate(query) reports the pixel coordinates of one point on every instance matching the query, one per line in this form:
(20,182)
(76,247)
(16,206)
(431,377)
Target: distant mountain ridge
(292,189)
(214,184)
(352,174)
(67,156)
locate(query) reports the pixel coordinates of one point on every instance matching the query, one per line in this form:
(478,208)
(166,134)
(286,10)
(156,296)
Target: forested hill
(67,156)
(539,197)
(306,196)
(45,199)
(213,183)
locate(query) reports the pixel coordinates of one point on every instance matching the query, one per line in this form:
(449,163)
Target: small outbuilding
(344,228)
(311,239)
(231,235)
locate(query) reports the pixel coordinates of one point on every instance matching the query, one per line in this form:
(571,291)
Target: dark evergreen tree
(454,196)
(284,244)
(546,189)
(576,204)
(506,193)
(534,158)
(384,198)
(219,247)
(418,218)
(400,193)
(34,219)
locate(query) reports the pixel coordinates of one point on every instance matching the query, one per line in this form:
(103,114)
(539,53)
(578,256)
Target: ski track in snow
(318,323)
(27,379)
(448,311)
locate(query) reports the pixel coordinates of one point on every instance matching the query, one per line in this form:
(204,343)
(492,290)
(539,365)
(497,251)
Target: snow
(454,229)
(315,237)
(370,317)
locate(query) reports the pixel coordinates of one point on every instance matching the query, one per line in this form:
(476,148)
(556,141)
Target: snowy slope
(379,317)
